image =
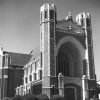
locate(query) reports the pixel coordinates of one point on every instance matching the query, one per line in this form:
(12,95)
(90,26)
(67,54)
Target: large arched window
(63,60)
(69,61)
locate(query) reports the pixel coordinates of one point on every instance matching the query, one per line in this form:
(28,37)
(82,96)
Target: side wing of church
(65,63)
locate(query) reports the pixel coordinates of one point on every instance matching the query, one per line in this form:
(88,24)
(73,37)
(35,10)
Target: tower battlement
(47,6)
(47,13)
(84,19)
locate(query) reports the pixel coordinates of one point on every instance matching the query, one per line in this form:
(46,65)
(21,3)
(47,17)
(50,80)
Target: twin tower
(67,57)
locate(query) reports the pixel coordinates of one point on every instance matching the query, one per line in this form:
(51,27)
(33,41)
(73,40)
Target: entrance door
(69,93)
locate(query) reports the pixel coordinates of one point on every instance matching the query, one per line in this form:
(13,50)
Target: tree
(6,98)
(57,97)
(30,96)
(17,97)
(43,97)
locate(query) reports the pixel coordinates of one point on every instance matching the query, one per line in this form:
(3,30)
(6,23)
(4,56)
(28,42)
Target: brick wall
(15,79)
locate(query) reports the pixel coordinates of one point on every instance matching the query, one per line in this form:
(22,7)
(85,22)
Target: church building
(64,64)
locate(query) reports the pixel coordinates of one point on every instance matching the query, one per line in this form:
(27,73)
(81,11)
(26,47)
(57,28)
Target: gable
(69,25)
(18,58)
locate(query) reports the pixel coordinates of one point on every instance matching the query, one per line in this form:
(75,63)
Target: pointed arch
(69,56)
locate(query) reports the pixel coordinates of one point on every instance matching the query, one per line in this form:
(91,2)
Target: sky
(20,23)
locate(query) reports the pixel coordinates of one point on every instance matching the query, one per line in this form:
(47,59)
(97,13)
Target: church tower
(67,58)
(47,45)
(84,19)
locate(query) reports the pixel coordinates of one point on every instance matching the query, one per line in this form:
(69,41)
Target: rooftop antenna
(31,52)
(70,14)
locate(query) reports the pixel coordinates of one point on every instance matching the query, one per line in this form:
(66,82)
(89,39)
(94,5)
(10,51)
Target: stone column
(85,89)
(61,84)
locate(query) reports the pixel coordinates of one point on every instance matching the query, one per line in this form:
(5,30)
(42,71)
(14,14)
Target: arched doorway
(70,93)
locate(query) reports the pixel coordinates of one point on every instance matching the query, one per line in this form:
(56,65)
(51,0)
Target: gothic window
(30,68)
(30,77)
(82,22)
(40,74)
(41,16)
(18,90)
(45,14)
(37,64)
(63,64)
(89,40)
(84,66)
(0,62)
(52,33)
(55,15)
(33,67)
(3,63)
(34,76)
(41,59)
(26,70)
(51,14)
(67,68)
(88,22)
(9,60)
(6,60)
(41,35)
(26,80)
